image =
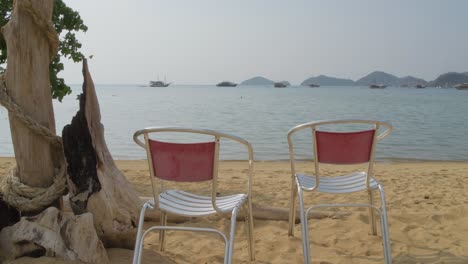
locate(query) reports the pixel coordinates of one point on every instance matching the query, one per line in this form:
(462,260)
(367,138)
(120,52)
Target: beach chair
(340,148)
(191,162)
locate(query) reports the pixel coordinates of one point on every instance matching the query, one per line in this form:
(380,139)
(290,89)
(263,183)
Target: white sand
(427,206)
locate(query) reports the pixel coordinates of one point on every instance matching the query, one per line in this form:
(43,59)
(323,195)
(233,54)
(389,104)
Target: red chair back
(344,148)
(188,162)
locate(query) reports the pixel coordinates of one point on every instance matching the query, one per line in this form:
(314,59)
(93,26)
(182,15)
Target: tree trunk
(97,186)
(28,83)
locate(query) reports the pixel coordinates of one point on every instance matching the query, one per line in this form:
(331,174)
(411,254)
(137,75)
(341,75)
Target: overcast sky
(207,41)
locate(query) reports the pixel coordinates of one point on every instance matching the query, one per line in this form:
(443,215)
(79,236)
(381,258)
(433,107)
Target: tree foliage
(67,23)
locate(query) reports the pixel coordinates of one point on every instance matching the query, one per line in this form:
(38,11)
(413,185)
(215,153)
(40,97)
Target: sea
(429,124)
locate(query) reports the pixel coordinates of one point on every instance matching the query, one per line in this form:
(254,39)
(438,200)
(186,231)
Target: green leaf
(67,22)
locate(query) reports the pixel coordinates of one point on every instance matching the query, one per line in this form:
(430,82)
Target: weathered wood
(53,233)
(96,185)
(27,79)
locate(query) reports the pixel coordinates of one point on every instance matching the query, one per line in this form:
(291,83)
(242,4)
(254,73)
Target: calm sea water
(429,124)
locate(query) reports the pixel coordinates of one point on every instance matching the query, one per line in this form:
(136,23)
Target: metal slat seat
(188,204)
(349,183)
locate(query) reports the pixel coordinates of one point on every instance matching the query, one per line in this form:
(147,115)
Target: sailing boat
(159,83)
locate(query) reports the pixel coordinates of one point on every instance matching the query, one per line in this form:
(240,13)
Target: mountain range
(377,77)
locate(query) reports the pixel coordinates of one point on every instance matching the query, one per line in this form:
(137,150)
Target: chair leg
(292,208)
(232,234)
(372,219)
(249,229)
(162,233)
(385,233)
(138,243)
(304,228)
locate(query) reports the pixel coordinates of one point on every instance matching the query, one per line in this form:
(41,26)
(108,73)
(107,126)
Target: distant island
(258,81)
(410,81)
(327,81)
(449,79)
(379,78)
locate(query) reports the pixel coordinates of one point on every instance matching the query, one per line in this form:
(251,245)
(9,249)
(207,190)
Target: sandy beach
(427,207)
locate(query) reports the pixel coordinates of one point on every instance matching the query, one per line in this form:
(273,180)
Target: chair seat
(192,205)
(340,184)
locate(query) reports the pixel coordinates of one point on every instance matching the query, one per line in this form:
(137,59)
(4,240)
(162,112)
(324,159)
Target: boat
(280,85)
(463,86)
(313,85)
(158,84)
(420,86)
(226,84)
(377,86)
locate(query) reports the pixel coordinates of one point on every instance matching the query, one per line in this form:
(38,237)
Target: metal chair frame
(154,204)
(371,184)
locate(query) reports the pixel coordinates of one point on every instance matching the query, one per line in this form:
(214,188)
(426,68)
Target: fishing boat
(313,85)
(463,86)
(226,84)
(420,86)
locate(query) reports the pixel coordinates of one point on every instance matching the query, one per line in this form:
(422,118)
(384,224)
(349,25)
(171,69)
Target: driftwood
(96,185)
(53,233)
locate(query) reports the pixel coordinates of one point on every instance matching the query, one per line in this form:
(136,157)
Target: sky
(208,41)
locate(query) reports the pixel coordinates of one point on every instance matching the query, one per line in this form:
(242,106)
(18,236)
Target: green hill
(449,79)
(328,81)
(379,77)
(257,81)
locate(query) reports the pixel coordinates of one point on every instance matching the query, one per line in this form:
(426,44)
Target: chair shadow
(441,257)
(433,256)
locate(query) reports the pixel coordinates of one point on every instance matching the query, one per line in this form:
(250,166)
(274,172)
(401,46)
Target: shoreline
(383,160)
